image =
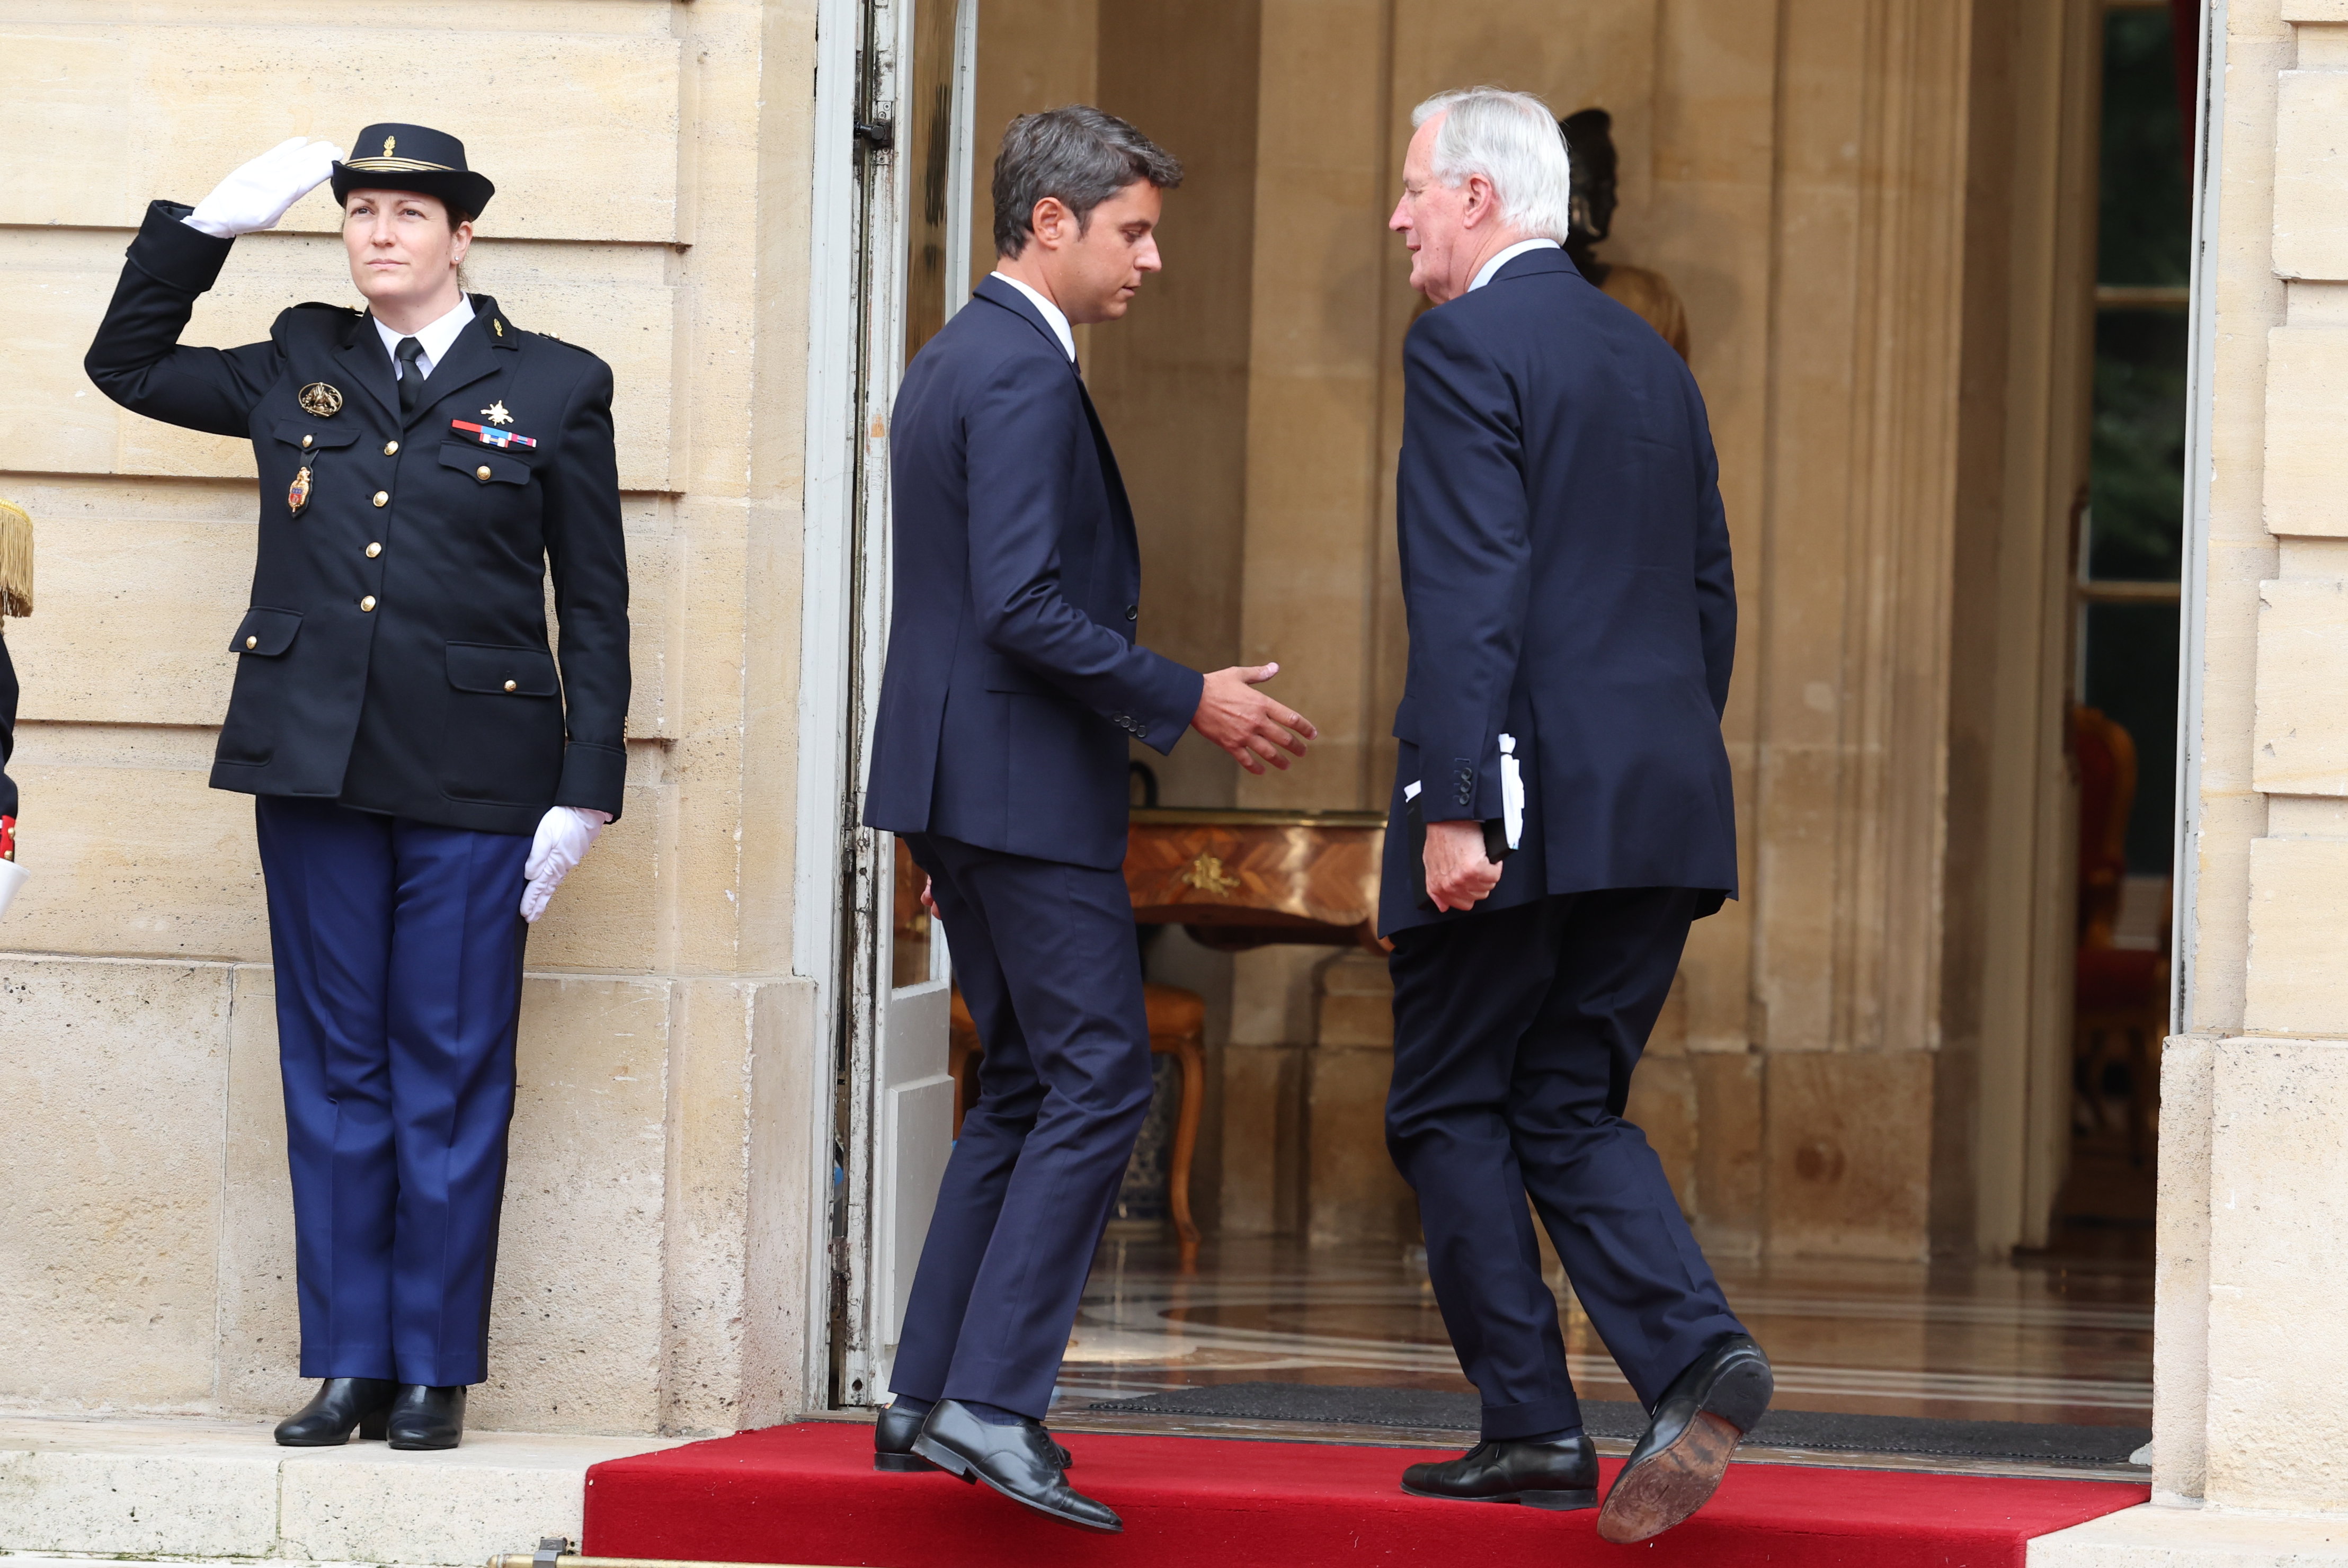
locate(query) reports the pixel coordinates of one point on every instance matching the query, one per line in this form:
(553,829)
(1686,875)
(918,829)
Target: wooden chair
(2119,996)
(1177,1027)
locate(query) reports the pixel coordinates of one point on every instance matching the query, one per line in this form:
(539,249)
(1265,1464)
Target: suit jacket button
(253,642)
(1133,611)
(367,603)
(482,473)
(372,550)
(510,686)
(307,439)
(383,498)
(390,448)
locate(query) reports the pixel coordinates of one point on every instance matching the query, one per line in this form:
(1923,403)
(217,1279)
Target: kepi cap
(412,158)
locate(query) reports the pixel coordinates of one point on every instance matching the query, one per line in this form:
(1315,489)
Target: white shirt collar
(1510,254)
(1054,317)
(435,336)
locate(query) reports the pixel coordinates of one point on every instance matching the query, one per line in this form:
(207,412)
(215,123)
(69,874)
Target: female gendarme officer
(397,711)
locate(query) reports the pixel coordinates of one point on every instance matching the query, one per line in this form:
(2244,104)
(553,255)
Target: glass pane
(926,137)
(2138,523)
(2131,676)
(2145,235)
(909,929)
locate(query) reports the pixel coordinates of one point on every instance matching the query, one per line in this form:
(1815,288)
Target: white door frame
(843,876)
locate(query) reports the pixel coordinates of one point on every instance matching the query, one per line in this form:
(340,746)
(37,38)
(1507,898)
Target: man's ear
(1053,223)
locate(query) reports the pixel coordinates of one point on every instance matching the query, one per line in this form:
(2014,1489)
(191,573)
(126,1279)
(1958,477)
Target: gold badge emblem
(297,495)
(388,143)
(496,413)
(321,400)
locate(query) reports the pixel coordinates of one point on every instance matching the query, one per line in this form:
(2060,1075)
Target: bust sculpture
(1589,139)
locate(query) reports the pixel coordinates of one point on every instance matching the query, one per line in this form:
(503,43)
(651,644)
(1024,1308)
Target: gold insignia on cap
(388,143)
(496,413)
(321,400)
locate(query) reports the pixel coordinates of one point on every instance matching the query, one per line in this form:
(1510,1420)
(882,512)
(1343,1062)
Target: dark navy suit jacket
(1013,679)
(1565,570)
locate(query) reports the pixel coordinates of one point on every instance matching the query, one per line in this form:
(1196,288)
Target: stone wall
(2254,1107)
(652,162)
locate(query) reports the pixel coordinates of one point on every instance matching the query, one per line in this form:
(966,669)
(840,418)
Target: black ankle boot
(341,1404)
(428,1418)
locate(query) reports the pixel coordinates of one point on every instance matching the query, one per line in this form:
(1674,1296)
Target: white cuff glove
(564,836)
(257,194)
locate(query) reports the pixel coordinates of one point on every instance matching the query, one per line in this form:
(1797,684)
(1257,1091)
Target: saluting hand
(1246,723)
(257,194)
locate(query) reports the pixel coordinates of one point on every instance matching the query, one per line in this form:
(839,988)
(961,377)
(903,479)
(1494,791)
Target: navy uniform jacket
(395,657)
(1013,677)
(1565,570)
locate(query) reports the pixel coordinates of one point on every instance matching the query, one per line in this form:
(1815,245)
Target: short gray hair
(1512,140)
(1080,154)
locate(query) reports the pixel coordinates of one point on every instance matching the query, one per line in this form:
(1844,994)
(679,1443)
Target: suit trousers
(398,950)
(1516,1032)
(1046,959)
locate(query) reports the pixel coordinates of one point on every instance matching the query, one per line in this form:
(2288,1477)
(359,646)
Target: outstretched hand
(260,193)
(1253,727)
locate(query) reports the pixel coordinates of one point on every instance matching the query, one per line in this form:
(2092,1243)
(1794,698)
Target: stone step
(218,1488)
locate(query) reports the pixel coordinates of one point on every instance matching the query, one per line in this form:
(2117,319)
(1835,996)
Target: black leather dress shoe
(893,1443)
(426,1418)
(1559,1476)
(1695,1426)
(1021,1462)
(340,1405)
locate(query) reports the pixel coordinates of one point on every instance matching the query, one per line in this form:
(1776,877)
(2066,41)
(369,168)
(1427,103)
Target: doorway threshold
(1240,1428)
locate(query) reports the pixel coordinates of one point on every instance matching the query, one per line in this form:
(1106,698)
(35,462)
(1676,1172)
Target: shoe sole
(416,1447)
(1554,1501)
(1670,1484)
(902,1464)
(953,1464)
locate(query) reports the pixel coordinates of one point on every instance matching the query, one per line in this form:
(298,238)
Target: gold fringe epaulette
(15,560)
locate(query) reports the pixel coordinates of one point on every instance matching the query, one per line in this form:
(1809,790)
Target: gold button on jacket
(367,603)
(482,473)
(383,498)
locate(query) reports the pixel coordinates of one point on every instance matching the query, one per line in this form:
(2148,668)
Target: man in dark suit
(424,775)
(1015,679)
(1561,813)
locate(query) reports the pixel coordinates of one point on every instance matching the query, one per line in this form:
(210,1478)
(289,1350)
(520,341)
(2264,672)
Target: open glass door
(898,1093)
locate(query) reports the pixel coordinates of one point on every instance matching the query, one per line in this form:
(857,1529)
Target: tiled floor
(2052,1341)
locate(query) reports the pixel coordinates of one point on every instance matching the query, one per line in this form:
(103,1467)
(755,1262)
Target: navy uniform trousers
(1045,956)
(398,949)
(1515,1031)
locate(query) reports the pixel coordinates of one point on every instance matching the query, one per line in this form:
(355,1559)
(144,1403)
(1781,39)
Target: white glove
(564,836)
(257,194)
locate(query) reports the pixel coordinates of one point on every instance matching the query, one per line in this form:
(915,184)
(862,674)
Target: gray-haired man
(1561,812)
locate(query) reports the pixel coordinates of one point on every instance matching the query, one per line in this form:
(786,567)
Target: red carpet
(807,1494)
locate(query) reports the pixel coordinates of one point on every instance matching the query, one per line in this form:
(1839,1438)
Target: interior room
(1930,276)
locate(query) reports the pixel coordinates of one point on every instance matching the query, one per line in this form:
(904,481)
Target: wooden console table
(1238,879)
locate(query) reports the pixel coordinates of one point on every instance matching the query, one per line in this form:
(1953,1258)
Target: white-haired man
(1562,813)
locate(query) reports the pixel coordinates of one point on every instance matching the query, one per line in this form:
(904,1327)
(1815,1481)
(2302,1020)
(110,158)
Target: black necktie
(411,375)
